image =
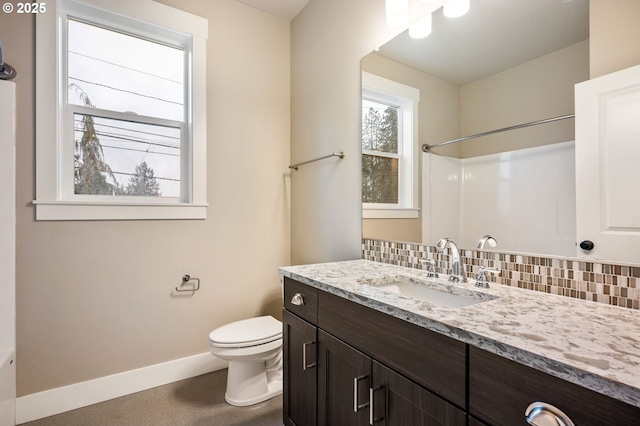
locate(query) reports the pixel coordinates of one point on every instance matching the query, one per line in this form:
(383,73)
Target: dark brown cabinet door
(344,376)
(300,371)
(500,390)
(397,401)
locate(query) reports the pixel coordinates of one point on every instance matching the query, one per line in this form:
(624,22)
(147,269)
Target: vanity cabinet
(434,361)
(349,364)
(411,375)
(500,390)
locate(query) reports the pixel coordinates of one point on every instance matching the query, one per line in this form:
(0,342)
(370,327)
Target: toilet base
(247,384)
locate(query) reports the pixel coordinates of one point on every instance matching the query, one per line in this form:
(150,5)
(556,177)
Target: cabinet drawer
(500,390)
(301,299)
(434,361)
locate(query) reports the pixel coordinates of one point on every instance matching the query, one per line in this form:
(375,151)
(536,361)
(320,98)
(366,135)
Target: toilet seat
(245,333)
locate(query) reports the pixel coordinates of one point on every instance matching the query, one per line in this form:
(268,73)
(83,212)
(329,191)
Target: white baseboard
(66,398)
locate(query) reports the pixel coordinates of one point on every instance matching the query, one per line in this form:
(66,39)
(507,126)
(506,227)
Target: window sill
(60,210)
(387,213)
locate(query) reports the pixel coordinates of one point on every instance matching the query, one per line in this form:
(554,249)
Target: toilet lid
(249,332)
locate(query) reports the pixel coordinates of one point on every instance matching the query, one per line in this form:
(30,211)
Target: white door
(608,166)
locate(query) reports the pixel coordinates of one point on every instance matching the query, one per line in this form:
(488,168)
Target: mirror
(502,64)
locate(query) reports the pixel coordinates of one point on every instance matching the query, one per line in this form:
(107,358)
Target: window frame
(55,197)
(406,98)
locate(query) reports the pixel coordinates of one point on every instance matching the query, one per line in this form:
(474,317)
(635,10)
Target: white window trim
(407,98)
(51,201)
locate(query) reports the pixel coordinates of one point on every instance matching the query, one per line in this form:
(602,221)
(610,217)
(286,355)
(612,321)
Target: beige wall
(328,39)
(392,229)
(614,26)
(538,89)
(94,298)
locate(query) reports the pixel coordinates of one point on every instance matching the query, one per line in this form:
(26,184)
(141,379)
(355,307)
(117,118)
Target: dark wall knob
(587,245)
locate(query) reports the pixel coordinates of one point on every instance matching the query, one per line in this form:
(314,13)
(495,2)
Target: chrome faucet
(487,239)
(457,267)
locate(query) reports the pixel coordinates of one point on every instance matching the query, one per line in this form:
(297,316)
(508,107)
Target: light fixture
(456,8)
(422,28)
(397,12)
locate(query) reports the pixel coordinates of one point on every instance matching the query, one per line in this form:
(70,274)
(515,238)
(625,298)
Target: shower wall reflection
(524,198)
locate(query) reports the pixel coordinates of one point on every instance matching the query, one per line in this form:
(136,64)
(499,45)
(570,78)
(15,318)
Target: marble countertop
(591,344)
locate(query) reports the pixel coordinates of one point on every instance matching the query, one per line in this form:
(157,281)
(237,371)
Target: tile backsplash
(609,283)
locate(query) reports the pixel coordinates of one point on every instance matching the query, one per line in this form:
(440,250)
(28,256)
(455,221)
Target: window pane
(119,72)
(115,157)
(379,127)
(379,179)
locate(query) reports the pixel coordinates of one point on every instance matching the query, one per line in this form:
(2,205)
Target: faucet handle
(482,281)
(431,273)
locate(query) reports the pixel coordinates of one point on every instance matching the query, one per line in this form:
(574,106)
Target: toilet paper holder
(185,280)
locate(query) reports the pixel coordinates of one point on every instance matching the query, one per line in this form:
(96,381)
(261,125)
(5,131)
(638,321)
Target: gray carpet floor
(198,401)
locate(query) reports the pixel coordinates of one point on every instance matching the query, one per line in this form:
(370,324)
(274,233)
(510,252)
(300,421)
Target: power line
(140,150)
(125,128)
(124,138)
(122,66)
(155,177)
(125,91)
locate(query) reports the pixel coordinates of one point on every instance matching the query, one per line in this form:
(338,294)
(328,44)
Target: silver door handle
(304,356)
(297,299)
(356,398)
(372,417)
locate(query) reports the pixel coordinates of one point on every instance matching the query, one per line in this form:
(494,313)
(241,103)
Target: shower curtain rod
(427,148)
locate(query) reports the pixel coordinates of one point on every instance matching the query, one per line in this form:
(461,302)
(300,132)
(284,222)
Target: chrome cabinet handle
(304,356)
(372,418)
(543,414)
(297,299)
(356,398)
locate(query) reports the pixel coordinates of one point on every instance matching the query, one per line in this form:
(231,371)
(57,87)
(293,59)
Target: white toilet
(253,348)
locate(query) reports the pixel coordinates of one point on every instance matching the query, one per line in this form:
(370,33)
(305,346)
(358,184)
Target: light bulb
(422,28)
(397,12)
(456,8)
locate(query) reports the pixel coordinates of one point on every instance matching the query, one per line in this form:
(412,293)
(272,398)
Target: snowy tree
(92,175)
(143,183)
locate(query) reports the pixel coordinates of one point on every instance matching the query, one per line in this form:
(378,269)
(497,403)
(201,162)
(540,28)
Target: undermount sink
(444,295)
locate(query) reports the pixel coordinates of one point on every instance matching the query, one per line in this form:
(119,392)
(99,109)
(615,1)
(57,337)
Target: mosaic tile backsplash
(608,283)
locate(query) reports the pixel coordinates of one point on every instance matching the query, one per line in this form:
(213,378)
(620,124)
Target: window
(120,130)
(389,148)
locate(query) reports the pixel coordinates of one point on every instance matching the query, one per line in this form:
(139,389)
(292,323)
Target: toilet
(253,348)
